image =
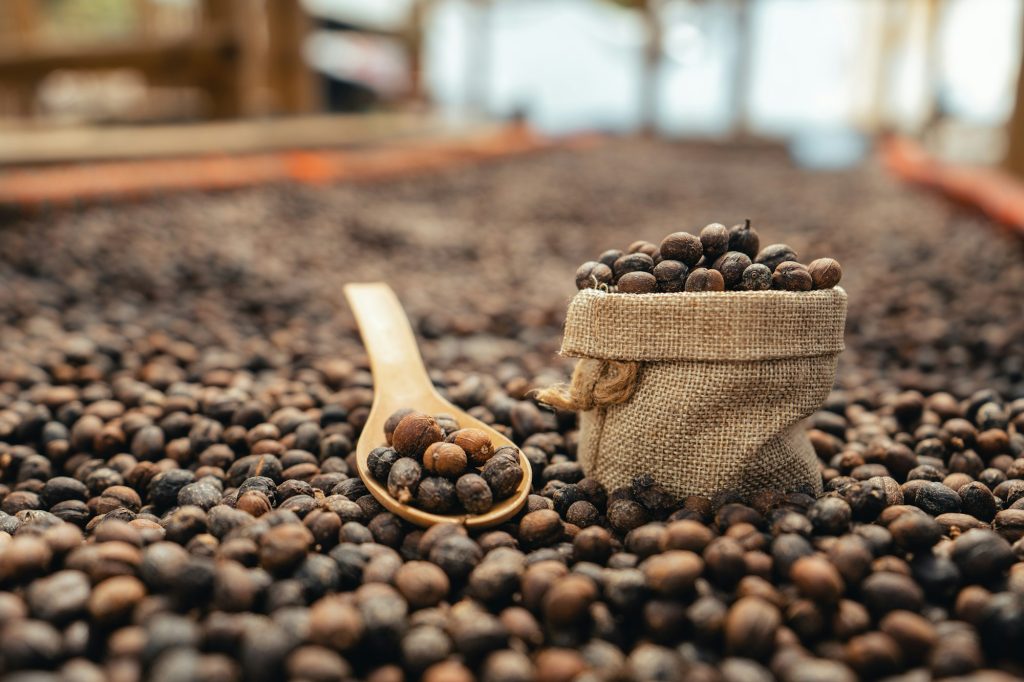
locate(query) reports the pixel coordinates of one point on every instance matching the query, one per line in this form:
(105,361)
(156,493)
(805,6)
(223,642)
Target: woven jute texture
(723,382)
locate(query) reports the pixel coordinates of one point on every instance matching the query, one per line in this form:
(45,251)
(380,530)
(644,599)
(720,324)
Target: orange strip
(994,192)
(69,183)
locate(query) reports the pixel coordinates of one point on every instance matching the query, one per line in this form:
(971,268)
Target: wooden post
(25,15)
(649,77)
(478,61)
(1014,161)
(933,15)
(414,44)
(220,18)
(146,15)
(292,82)
(741,68)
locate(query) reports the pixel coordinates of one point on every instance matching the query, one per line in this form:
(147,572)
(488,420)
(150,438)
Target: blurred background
(218,169)
(825,75)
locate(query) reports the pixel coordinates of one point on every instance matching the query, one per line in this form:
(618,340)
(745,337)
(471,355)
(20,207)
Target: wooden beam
(36,145)
(184,57)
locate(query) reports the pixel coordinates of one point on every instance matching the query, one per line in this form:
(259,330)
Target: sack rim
(719,326)
(723,295)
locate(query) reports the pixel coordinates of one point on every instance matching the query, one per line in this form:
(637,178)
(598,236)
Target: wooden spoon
(400,380)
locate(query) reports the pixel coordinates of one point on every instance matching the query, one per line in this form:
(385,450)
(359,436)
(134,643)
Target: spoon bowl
(400,380)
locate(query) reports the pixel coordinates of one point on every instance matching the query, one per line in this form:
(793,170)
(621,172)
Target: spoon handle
(399,375)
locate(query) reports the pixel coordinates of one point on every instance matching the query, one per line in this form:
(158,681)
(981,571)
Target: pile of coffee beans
(181,389)
(215,529)
(432,463)
(719,259)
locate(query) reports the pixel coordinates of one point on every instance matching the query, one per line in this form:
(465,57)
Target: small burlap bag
(706,391)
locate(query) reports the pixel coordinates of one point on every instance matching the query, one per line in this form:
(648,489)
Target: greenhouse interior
(512,340)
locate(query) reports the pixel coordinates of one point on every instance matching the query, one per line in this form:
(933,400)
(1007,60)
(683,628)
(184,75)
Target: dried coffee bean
(625,515)
(825,272)
(113,599)
(414,433)
(60,597)
(744,238)
(637,283)
(792,276)
(445,459)
(750,628)
(284,546)
(474,494)
(456,555)
(404,479)
(422,584)
(671,276)
(633,262)
(610,256)
(673,573)
(756,277)
(982,555)
(773,254)
(714,239)
(540,528)
(475,442)
(503,473)
(592,274)
(884,591)
(702,279)
(936,498)
(683,247)
(732,265)
(817,579)
(725,560)
(874,654)
(436,494)
(568,602)
(582,514)
(830,515)
(379,462)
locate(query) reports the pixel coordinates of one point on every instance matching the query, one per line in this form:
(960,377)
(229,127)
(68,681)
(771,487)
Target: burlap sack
(706,391)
